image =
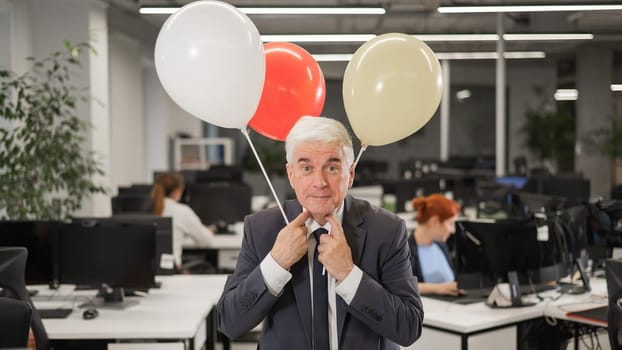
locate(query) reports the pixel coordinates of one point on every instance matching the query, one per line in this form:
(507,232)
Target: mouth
(319,196)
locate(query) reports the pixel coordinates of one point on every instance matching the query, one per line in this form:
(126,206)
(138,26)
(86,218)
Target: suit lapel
(300,278)
(355,236)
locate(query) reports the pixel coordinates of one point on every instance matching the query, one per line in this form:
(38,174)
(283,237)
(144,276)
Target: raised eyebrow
(303,160)
(334,160)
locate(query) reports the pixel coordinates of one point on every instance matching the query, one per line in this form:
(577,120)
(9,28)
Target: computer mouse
(90,313)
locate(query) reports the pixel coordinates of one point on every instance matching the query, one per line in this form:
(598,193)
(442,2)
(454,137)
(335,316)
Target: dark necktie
(320,299)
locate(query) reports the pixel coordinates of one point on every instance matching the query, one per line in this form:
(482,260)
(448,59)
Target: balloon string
(245,133)
(363,148)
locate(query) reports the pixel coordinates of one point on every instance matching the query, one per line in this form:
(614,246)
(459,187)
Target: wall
(127,146)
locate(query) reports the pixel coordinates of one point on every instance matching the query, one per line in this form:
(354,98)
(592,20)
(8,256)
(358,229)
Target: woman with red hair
(436,216)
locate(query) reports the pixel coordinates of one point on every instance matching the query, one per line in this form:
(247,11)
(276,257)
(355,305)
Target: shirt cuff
(274,276)
(348,287)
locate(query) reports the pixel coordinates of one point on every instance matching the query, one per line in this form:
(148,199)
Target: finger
(335,227)
(300,219)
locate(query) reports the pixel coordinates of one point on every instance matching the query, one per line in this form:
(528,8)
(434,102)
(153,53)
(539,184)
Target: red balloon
(294,87)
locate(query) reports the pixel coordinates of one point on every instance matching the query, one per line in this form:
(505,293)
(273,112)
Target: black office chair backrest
(14,323)
(12,271)
(613,273)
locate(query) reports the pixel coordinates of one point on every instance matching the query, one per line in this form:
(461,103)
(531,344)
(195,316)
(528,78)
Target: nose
(319,179)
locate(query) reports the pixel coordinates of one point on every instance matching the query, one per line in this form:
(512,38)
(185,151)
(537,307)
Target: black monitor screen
(406,190)
(37,237)
(164,234)
(220,202)
(493,248)
(117,254)
(132,204)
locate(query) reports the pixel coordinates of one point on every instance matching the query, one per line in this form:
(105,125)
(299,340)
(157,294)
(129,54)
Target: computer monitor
(531,203)
(573,188)
(220,203)
(135,190)
(406,190)
(112,255)
(217,173)
(132,204)
(495,247)
(164,235)
(38,238)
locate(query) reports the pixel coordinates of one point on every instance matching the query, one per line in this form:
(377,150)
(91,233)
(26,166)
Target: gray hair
(318,129)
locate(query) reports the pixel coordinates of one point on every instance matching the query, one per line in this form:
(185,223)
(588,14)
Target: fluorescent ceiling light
(313,10)
(333,57)
(616,87)
(488,55)
(445,56)
(540,36)
(281,10)
(456,37)
(306,38)
(157,10)
(528,8)
(566,94)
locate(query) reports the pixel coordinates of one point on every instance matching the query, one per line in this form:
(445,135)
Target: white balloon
(210,59)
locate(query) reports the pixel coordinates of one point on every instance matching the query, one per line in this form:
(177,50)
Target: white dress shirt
(187,226)
(275,277)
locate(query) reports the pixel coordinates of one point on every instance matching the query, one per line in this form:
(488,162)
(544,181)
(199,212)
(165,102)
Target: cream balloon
(391,88)
(210,60)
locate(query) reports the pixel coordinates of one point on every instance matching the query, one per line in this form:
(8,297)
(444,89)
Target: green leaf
(44,173)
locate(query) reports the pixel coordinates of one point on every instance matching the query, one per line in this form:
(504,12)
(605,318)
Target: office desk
(476,326)
(226,248)
(181,313)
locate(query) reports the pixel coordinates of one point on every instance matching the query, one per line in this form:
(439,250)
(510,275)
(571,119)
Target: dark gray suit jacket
(385,310)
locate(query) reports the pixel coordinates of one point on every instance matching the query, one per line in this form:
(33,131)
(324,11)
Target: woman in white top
(187,226)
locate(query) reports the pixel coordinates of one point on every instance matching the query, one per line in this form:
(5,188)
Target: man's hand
(291,242)
(334,252)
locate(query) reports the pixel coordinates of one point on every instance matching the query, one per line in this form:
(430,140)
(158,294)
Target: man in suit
(367,297)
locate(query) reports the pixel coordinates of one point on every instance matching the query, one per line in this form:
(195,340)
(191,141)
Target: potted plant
(45,172)
(550,134)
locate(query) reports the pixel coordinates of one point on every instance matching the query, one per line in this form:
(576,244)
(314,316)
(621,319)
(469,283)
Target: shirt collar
(312,225)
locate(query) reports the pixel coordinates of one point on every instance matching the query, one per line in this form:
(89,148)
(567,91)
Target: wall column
(594,110)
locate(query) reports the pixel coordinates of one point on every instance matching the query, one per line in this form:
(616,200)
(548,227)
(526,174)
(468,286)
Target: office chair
(14,323)
(12,270)
(613,274)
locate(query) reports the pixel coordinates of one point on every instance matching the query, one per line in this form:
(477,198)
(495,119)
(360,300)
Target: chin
(315,209)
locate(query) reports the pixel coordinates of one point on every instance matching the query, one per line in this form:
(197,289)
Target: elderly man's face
(320,176)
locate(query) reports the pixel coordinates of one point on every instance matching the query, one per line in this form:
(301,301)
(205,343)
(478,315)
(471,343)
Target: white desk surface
(477,317)
(568,303)
(174,311)
(222,241)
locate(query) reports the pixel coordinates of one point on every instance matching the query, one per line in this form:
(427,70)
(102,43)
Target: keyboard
(471,296)
(54,313)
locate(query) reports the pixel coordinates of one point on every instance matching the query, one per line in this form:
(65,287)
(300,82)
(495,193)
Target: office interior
(460,152)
